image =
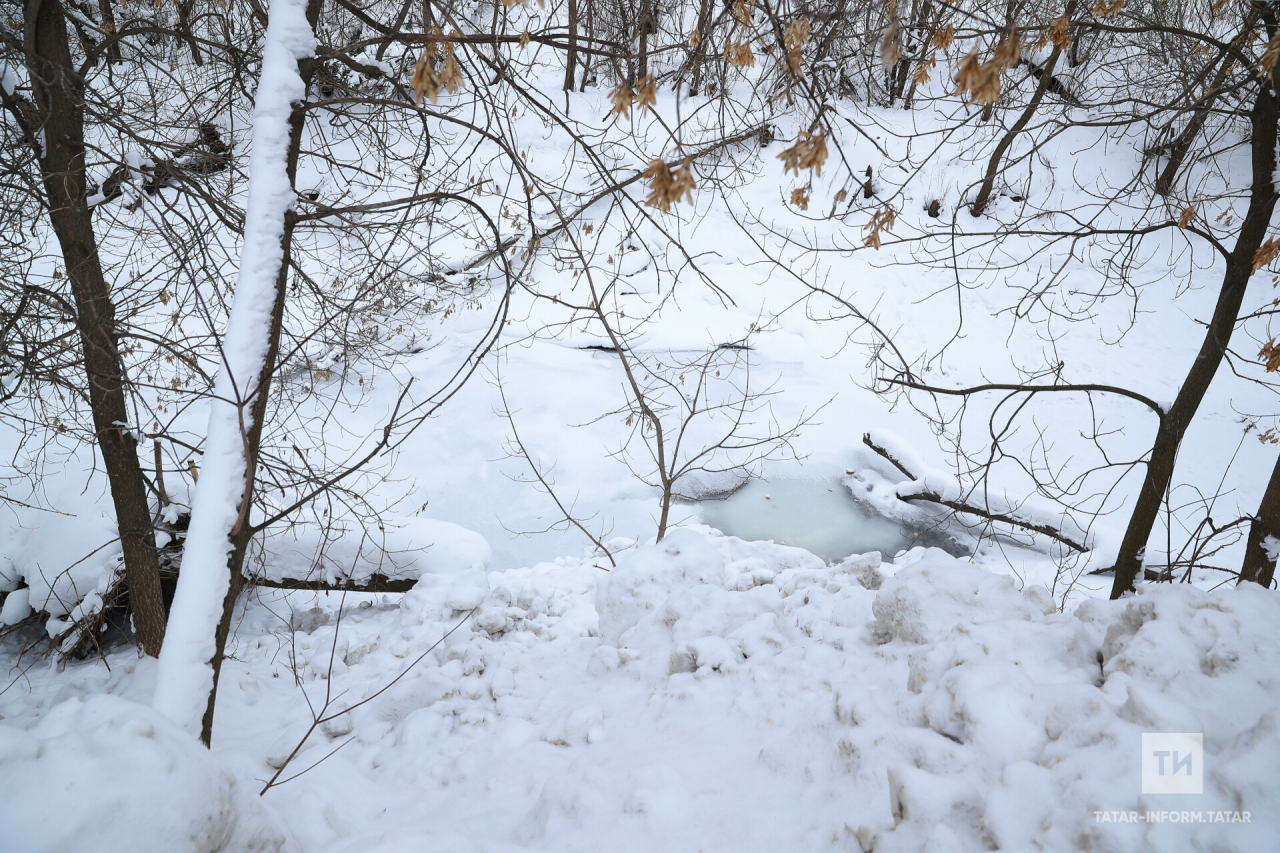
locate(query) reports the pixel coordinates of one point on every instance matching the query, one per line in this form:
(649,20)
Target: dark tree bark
(571,58)
(1173,426)
(184,26)
(901,71)
(1258,566)
(109,26)
(244,532)
(57,118)
(591,35)
(699,52)
(646,25)
(993,166)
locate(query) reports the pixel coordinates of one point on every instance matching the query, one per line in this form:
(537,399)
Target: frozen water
(815,514)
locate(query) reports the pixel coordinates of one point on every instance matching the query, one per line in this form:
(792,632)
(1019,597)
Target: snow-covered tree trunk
(191,658)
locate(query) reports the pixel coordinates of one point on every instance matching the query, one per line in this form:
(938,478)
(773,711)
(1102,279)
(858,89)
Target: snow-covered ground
(706,694)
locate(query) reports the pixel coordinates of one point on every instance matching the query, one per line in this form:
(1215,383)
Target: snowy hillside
(706,694)
(639,426)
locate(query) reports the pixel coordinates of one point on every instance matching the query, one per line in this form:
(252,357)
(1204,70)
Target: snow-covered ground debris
(404,549)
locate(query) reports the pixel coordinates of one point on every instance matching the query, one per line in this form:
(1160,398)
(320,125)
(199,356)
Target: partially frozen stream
(815,514)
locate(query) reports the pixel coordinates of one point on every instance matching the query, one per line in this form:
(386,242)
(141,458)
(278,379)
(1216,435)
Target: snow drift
(113,776)
(718,695)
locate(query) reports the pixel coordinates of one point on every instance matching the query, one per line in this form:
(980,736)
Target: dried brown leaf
(1266,253)
(809,153)
(622,98)
(891,44)
(647,92)
(1270,56)
(1270,354)
(667,188)
(1060,32)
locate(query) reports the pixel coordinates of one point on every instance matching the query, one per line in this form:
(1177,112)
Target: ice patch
(815,514)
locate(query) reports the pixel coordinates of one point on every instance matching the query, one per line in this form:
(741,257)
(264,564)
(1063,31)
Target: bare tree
(52,121)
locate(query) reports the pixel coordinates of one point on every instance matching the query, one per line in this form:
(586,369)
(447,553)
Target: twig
(318,719)
(537,472)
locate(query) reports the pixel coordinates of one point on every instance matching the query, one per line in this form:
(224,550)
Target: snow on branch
(185,676)
(945,490)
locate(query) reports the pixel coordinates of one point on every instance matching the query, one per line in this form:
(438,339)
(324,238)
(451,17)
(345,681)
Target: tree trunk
(993,166)
(1258,565)
(109,27)
(184,27)
(220,529)
(1179,147)
(59,113)
(570,60)
(243,533)
(586,57)
(646,25)
(704,36)
(1262,202)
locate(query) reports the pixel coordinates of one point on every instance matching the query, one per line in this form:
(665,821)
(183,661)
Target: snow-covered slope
(710,694)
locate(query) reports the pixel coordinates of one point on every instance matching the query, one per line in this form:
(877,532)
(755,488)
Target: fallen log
(970,509)
(376,583)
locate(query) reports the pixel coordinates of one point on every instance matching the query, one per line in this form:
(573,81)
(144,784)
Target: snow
(1271,547)
(123,775)
(709,693)
(63,557)
(17,606)
(403,549)
(704,693)
(8,78)
(185,675)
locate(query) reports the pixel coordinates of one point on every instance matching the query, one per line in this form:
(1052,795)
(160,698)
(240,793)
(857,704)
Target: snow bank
(1041,714)
(713,694)
(924,604)
(68,562)
(403,549)
(969,713)
(110,775)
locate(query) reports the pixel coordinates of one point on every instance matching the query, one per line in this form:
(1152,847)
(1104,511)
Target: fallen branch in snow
(969,509)
(375,583)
